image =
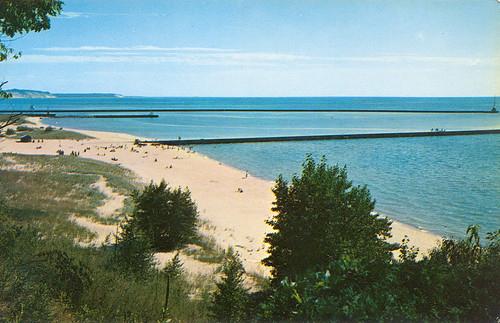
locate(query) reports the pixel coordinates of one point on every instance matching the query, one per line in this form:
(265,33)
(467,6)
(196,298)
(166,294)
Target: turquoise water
(441,184)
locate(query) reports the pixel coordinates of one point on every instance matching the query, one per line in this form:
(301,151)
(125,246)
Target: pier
(104,116)
(186,142)
(167,110)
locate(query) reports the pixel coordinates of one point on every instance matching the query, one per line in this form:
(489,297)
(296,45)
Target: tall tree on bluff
(18,17)
(320,217)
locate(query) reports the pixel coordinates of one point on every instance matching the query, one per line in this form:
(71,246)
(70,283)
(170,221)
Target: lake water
(440,184)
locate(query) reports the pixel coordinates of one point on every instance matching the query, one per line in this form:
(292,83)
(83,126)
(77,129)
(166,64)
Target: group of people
(438,130)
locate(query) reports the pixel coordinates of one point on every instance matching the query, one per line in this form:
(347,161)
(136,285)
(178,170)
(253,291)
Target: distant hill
(17,93)
(88,95)
(33,94)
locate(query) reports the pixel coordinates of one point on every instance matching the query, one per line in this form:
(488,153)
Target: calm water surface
(440,184)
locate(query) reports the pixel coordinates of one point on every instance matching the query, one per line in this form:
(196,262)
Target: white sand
(238,219)
(102,231)
(113,201)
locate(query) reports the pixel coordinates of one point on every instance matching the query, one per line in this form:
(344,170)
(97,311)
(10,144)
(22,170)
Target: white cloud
(134,49)
(76,14)
(70,15)
(223,56)
(211,59)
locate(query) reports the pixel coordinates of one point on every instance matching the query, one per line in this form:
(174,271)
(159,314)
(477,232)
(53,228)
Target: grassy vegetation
(52,134)
(120,179)
(207,250)
(83,284)
(65,180)
(44,275)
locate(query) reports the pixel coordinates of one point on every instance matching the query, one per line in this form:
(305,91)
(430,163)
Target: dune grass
(46,190)
(38,194)
(208,251)
(52,134)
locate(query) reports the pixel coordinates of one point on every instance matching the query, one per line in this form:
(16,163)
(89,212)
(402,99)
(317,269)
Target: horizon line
(256,96)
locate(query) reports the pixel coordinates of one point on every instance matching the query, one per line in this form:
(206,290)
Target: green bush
(457,282)
(321,217)
(132,253)
(331,262)
(174,268)
(46,276)
(229,301)
(10,132)
(23,128)
(166,216)
(34,277)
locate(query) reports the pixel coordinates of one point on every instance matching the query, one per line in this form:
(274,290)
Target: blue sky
(265,48)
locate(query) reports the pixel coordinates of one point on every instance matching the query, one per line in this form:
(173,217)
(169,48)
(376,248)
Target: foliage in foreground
(46,277)
(230,299)
(331,262)
(458,281)
(52,279)
(321,217)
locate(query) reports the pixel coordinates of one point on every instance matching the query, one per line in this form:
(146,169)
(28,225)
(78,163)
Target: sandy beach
(234,205)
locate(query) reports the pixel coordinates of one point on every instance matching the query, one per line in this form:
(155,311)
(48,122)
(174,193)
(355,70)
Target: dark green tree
(320,217)
(168,217)
(230,299)
(66,276)
(132,253)
(457,282)
(174,267)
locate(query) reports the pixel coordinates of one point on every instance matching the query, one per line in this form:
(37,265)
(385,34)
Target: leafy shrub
(458,281)
(10,132)
(174,267)
(320,217)
(166,216)
(230,299)
(65,276)
(23,128)
(132,253)
(33,278)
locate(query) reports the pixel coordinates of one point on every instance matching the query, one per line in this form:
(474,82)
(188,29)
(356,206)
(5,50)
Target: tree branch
(12,119)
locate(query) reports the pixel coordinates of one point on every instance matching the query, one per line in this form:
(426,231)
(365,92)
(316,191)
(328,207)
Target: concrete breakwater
(168,110)
(185,142)
(104,116)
